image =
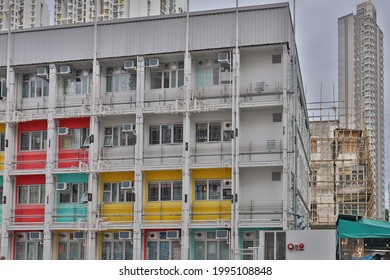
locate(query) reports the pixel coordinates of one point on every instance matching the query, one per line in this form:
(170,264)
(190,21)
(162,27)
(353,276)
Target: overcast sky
(316,36)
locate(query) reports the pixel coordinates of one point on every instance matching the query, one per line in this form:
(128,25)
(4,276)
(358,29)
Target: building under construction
(342,177)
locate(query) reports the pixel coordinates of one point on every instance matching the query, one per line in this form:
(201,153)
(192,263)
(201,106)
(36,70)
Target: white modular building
(171,137)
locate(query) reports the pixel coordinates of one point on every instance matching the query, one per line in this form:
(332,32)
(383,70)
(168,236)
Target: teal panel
(71,212)
(1,181)
(72,178)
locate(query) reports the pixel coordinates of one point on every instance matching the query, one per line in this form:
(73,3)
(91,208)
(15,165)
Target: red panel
(71,158)
(32,126)
(29,213)
(31,160)
(74,123)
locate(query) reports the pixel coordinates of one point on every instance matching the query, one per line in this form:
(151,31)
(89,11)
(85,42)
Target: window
(112,193)
(209,73)
(75,140)
(70,249)
(1,195)
(212,132)
(115,137)
(31,194)
(161,248)
(32,141)
(170,76)
(29,250)
(165,191)
(213,190)
(79,83)
(33,86)
(118,81)
(208,247)
(73,194)
(277,58)
(166,134)
(2,142)
(274,245)
(115,249)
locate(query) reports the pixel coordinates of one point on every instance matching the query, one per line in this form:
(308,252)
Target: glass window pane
(178,133)
(106,250)
(215,189)
(66,142)
(78,86)
(153,191)
(36,140)
(133,81)
(65,196)
(32,250)
(269,246)
(109,83)
(69,86)
(21,250)
(223,250)
(212,250)
(74,248)
(34,195)
(166,79)
(180,78)
(32,89)
(165,191)
(201,132)
(154,137)
(200,190)
(118,250)
(166,133)
(76,138)
(39,88)
(156,80)
(173,79)
(215,132)
(152,250)
(280,246)
(23,195)
(25,89)
(24,141)
(114,192)
(215,76)
(115,140)
(164,250)
(177,190)
(128,251)
(62,250)
(42,194)
(199,250)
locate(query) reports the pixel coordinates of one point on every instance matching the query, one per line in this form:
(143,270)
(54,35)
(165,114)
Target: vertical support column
(10,143)
(93,163)
(186,172)
(50,165)
(236,164)
(139,147)
(285,181)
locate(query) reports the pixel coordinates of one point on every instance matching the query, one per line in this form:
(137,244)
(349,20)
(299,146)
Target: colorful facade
(171,151)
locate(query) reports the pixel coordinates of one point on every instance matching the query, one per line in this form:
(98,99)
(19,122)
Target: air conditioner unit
(154,62)
(173,234)
(63,236)
(78,235)
(127,127)
(227,126)
(223,58)
(152,235)
(221,234)
(62,186)
(63,131)
(129,65)
(125,235)
(227,182)
(126,185)
(36,235)
(65,69)
(42,72)
(260,86)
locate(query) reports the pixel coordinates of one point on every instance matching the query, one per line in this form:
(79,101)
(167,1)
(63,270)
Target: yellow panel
(2,128)
(211,210)
(118,212)
(164,175)
(163,211)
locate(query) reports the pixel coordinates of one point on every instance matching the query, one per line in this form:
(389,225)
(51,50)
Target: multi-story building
(150,143)
(23,14)
(76,11)
(361,85)
(342,179)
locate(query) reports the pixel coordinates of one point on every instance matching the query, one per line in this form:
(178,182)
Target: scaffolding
(342,178)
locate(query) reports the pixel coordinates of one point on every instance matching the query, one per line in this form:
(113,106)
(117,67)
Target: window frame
(126,248)
(172,194)
(204,132)
(27,197)
(76,137)
(123,139)
(114,79)
(167,134)
(80,83)
(171,75)
(68,196)
(34,86)
(2,142)
(29,134)
(203,190)
(115,193)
